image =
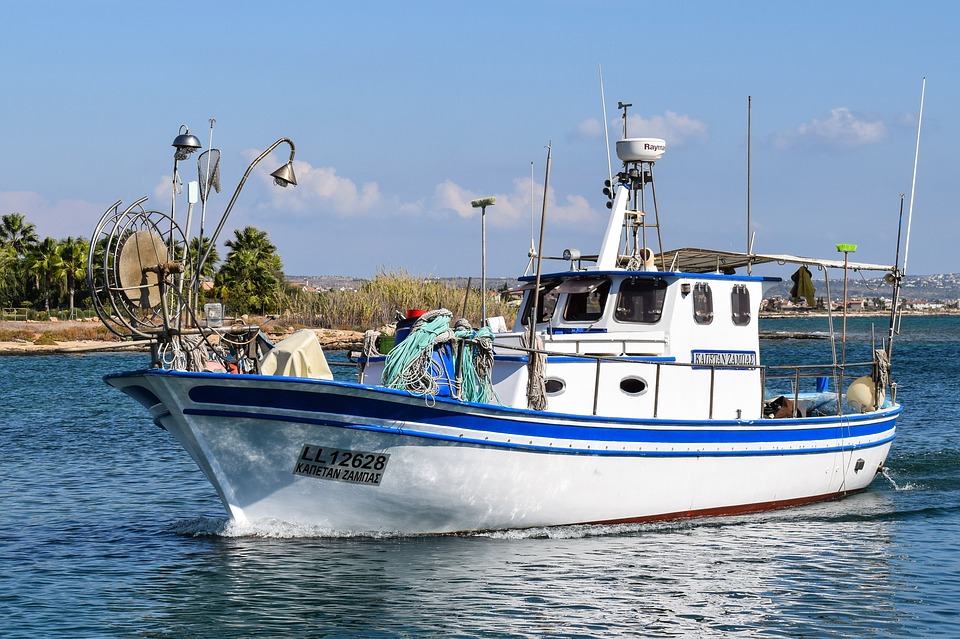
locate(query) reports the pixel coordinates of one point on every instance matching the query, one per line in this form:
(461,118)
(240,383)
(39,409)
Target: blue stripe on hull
(411,431)
(363,404)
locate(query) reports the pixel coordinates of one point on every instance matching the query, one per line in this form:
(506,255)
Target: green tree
(17,238)
(17,233)
(209,268)
(251,278)
(8,275)
(73,254)
(46,265)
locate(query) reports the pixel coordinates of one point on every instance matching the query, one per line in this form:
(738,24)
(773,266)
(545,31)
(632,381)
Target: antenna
(606,131)
(749,127)
(536,397)
(532,253)
(621,105)
(913,187)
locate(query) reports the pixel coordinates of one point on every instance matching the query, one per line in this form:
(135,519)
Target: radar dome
(641,149)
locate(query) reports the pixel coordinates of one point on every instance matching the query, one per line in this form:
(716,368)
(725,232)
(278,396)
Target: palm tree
(252,275)
(73,253)
(8,275)
(17,233)
(46,265)
(194,252)
(17,238)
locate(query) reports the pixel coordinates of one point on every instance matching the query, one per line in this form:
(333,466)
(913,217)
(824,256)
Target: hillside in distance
(931,288)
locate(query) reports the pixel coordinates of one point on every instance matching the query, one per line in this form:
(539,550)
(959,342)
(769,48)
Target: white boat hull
(350,458)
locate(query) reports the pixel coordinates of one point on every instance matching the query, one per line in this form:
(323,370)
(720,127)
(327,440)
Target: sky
(402,113)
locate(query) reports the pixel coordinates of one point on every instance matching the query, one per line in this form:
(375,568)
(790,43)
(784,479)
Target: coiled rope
(410,366)
(536,380)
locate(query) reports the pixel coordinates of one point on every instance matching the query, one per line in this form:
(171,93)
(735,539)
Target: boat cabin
(643,342)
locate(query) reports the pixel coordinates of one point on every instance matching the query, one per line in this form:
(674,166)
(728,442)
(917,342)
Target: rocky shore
(43,338)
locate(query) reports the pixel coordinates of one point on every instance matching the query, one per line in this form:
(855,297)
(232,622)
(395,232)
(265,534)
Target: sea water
(108,529)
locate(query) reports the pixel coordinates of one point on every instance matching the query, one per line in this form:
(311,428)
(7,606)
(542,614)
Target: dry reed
(377,301)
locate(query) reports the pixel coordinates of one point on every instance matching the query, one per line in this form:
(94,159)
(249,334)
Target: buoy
(861,394)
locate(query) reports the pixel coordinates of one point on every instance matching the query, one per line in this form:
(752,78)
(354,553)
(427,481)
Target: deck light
(284,176)
(185,143)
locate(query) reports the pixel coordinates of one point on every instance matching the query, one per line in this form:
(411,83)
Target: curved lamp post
(185,143)
(284,176)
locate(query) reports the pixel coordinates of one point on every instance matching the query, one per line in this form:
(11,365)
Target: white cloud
(58,219)
(321,191)
(320,188)
(513,209)
(589,129)
(841,129)
(675,128)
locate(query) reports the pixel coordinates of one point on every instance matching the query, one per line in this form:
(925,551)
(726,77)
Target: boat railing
(822,374)
(793,374)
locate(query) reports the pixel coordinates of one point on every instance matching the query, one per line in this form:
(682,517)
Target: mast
(895,279)
(606,131)
(898,275)
(913,186)
(535,395)
(749,129)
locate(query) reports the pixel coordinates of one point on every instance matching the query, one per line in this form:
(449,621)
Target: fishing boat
(630,388)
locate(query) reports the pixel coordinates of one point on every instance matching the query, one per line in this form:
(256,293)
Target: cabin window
(546,303)
(633,385)
(586,299)
(641,300)
(554,385)
(740,305)
(702,303)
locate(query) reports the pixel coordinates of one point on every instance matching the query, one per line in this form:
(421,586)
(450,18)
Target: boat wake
(277,529)
(265,529)
(888,475)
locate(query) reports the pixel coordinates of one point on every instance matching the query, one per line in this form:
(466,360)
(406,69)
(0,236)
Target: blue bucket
(442,370)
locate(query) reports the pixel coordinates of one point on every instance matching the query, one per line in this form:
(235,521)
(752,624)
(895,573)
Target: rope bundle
(536,380)
(410,365)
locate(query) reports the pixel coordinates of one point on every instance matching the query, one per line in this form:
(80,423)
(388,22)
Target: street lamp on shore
(482,204)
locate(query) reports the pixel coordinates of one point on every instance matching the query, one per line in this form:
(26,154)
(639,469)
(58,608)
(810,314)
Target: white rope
(536,382)
(370,344)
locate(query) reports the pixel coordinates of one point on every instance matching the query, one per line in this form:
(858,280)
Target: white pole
(606,131)
(913,187)
(483,265)
(749,131)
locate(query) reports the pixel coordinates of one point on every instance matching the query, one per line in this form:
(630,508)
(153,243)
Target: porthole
(554,386)
(633,386)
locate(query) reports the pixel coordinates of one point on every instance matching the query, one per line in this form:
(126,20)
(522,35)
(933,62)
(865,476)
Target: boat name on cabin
(723,358)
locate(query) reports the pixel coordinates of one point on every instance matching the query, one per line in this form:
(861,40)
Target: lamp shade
(284,175)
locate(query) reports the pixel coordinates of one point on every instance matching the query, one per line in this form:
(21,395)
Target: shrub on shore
(91,332)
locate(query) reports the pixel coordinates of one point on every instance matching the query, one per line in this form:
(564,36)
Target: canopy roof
(695,260)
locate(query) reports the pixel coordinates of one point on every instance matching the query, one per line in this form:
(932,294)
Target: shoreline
(28,333)
(330,339)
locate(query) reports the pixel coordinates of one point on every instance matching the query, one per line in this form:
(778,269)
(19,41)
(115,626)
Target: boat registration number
(339,464)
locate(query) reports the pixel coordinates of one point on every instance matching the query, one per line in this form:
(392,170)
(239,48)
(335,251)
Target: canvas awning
(695,260)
